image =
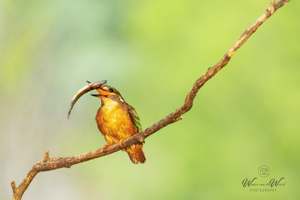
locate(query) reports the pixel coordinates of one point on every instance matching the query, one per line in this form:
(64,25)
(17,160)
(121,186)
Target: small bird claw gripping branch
(47,163)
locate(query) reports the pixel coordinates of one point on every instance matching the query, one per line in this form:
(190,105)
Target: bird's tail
(136,153)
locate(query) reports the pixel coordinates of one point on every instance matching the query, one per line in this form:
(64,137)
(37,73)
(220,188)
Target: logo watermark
(263,184)
(263,171)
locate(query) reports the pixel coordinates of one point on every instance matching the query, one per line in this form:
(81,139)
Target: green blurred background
(151,51)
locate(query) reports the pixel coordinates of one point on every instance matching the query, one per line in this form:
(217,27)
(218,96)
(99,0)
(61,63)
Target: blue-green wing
(135,118)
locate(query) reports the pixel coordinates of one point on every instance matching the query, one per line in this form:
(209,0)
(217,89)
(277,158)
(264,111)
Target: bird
(117,120)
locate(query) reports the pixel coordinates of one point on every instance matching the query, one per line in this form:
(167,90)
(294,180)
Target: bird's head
(107,91)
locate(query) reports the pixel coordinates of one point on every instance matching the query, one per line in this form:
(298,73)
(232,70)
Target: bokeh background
(151,51)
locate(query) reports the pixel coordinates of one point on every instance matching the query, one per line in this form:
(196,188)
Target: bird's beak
(101,93)
(85,89)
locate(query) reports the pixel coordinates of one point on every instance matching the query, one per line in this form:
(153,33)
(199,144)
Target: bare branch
(47,163)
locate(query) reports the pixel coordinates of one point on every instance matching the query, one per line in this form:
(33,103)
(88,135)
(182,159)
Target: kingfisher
(116,119)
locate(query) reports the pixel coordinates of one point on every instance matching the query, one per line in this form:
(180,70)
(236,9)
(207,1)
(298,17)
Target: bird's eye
(110,90)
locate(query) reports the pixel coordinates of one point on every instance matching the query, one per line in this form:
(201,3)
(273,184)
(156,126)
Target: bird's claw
(120,143)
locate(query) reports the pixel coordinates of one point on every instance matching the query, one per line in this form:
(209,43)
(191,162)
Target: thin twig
(47,163)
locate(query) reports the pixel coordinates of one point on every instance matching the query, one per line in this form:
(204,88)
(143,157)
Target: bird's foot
(120,143)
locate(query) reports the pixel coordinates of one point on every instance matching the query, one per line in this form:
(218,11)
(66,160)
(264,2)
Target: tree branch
(47,163)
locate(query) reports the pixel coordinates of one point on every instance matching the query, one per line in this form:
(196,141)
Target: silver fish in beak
(85,89)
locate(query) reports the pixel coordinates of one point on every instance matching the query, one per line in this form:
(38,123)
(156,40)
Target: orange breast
(114,121)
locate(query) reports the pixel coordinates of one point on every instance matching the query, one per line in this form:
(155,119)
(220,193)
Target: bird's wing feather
(135,118)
